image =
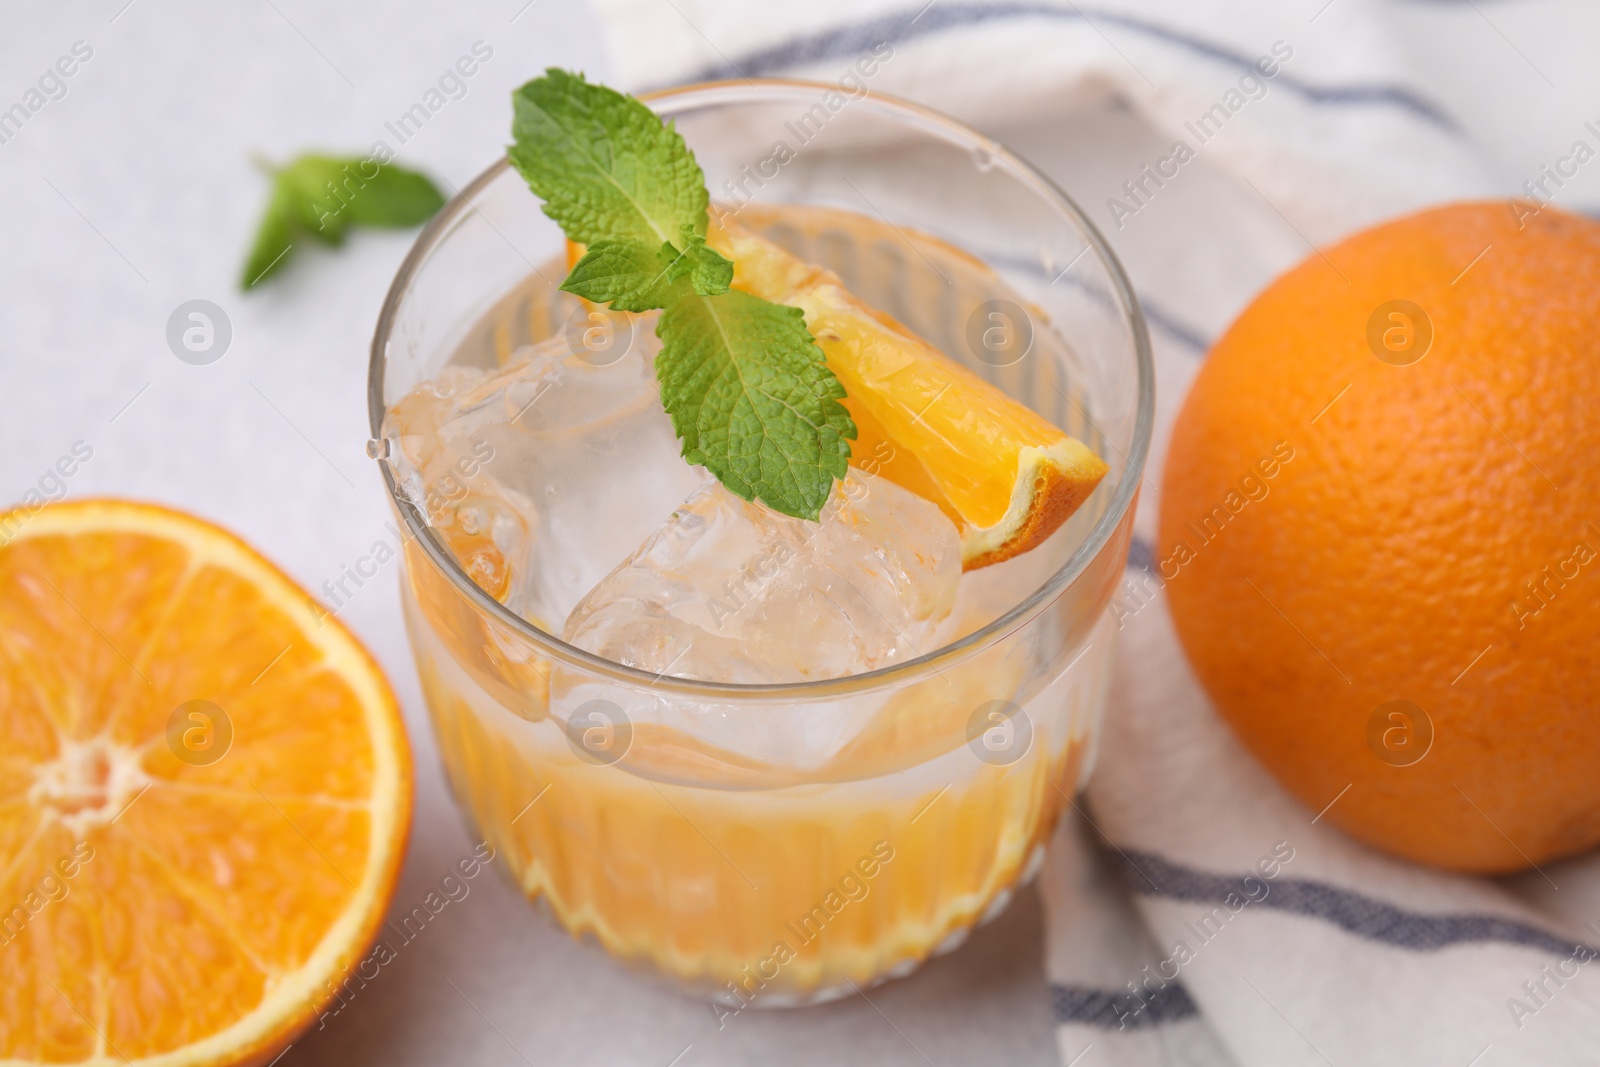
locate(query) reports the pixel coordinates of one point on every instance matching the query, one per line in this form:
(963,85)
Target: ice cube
(545,474)
(732,591)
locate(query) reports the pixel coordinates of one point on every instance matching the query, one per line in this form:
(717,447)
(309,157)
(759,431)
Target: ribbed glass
(773,880)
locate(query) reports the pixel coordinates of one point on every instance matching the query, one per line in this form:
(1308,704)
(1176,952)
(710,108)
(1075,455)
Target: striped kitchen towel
(1197,915)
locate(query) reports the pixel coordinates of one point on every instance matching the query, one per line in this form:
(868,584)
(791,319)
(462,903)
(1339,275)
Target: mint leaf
(753,401)
(629,275)
(603,163)
(708,272)
(321,197)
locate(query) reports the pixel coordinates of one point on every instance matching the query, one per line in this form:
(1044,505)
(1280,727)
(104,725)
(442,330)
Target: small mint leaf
(753,400)
(603,163)
(627,275)
(679,264)
(708,272)
(712,273)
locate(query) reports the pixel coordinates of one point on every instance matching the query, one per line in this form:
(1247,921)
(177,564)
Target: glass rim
(683,98)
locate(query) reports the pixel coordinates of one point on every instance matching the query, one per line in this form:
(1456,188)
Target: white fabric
(1343,956)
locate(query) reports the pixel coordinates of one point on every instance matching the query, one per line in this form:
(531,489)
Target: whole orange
(1379,533)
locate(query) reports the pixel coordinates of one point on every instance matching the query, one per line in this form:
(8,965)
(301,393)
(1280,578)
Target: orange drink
(772,759)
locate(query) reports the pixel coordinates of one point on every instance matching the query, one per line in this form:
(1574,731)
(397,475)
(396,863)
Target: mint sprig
(320,198)
(748,390)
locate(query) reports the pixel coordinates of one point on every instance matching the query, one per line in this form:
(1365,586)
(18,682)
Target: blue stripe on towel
(1169,324)
(1141,554)
(1155,315)
(1150,875)
(1110,1010)
(852,40)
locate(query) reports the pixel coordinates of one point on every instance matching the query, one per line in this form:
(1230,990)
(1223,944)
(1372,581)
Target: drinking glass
(782,844)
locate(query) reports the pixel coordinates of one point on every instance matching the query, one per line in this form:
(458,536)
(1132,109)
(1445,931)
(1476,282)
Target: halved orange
(204,793)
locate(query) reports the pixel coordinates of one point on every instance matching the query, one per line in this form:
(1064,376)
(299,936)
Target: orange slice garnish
(1004,474)
(204,793)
